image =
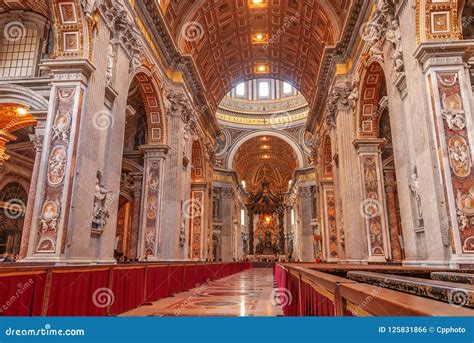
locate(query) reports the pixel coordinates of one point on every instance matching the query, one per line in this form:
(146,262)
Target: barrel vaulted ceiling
(265,157)
(237,40)
(40,7)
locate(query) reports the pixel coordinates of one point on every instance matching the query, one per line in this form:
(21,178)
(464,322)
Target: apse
(265,159)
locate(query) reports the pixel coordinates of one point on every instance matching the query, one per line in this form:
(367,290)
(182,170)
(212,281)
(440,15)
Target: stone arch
(156,126)
(372,88)
(22,96)
(236,145)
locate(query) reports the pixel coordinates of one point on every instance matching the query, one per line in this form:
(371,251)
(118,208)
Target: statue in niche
(100,213)
(394,36)
(110,64)
(416,191)
(140,134)
(182,234)
(185,140)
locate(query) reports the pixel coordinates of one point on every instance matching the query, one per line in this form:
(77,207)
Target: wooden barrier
(99,290)
(318,293)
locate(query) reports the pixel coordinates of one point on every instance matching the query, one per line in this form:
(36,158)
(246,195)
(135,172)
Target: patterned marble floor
(248,293)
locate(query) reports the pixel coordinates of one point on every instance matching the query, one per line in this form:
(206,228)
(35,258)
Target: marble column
(152,200)
(250,248)
(350,191)
(392,214)
(227,223)
(373,209)
(281,232)
(451,127)
(135,227)
(197,220)
(51,231)
(175,203)
(306,231)
(37,140)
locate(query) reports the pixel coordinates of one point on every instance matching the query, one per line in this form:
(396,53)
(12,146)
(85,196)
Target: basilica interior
(237,157)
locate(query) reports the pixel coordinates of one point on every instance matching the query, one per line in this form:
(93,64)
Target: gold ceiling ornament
(5,137)
(438,20)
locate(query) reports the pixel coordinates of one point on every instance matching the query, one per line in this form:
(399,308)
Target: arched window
(13,200)
(21,44)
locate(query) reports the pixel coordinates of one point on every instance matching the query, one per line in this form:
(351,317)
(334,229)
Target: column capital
(443,53)
(369,144)
(155,150)
(343,96)
(69,70)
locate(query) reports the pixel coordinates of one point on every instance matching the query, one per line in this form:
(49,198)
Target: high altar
(266,223)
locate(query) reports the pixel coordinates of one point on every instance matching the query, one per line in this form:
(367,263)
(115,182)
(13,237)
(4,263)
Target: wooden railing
(100,290)
(318,293)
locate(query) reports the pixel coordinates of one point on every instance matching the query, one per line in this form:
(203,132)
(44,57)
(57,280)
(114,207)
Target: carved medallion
(459,156)
(57,165)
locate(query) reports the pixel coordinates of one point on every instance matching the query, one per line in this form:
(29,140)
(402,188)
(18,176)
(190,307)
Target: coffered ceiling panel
(40,7)
(237,40)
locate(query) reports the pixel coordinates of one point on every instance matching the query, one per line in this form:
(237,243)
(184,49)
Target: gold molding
(437,21)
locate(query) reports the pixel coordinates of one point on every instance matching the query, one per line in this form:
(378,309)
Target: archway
(286,138)
(13,199)
(144,128)
(374,130)
(265,165)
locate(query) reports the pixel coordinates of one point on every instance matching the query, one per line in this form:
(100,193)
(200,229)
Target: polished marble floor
(249,293)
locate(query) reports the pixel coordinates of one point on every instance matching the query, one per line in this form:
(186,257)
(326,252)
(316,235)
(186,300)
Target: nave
(248,293)
(174,141)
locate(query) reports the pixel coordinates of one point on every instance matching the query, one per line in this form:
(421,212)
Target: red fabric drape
(128,286)
(22,295)
(72,293)
(190,276)
(157,283)
(200,274)
(176,279)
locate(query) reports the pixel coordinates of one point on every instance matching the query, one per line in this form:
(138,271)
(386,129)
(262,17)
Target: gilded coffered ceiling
(40,7)
(265,157)
(237,40)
